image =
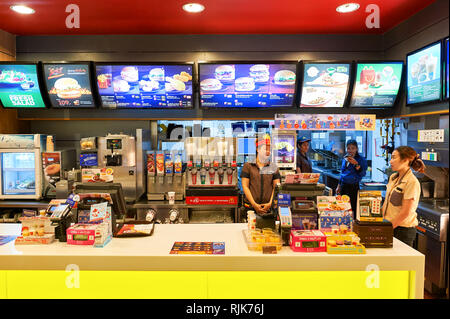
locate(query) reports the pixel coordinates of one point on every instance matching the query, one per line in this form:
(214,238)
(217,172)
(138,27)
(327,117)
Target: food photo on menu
(145,86)
(19,86)
(376,84)
(247,85)
(424,76)
(69,85)
(325,85)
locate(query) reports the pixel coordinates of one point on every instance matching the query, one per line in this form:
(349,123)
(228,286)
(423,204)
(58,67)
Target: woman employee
(259,179)
(403,193)
(354,167)
(303,162)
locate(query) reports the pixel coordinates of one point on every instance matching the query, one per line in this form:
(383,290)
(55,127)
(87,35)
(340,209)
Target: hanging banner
(336,122)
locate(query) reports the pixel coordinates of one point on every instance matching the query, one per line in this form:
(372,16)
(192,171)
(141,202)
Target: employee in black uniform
(303,162)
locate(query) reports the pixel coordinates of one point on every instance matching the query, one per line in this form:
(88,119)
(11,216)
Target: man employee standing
(303,162)
(259,179)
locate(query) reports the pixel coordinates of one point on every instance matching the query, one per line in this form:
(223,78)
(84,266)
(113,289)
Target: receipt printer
(285,215)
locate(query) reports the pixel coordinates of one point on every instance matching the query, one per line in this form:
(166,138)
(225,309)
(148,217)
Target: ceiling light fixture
(193,7)
(22,9)
(348,7)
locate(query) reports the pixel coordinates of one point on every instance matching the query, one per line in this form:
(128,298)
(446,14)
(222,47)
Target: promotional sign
(325,84)
(19,86)
(69,85)
(337,122)
(198,248)
(247,85)
(145,86)
(376,84)
(97,175)
(424,83)
(51,164)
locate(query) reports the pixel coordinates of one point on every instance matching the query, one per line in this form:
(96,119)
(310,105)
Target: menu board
(376,84)
(19,86)
(325,84)
(447,77)
(247,85)
(424,83)
(145,86)
(69,85)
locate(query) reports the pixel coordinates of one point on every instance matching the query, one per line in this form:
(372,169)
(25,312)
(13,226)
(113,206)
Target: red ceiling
(219,17)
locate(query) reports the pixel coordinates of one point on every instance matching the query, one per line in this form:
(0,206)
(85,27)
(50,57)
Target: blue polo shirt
(349,174)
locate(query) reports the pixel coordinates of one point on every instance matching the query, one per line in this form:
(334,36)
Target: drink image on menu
(424,77)
(19,86)
(145,86)
(69,85)
(325,85)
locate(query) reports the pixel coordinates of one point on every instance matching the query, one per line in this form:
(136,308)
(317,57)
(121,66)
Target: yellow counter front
(143,268)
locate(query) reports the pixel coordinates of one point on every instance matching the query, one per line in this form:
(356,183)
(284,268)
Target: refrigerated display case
(20,174)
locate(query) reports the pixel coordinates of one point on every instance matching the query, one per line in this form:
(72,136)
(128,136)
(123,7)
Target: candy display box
(308,241)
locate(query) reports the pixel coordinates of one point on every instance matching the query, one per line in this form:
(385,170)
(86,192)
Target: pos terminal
(284,212)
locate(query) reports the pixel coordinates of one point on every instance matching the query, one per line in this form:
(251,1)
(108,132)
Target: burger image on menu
(121,86)
(130,74)
(225,73)
(244,84)
(67,88)
(284,77)
(156,74)
(210,85)
(260,73)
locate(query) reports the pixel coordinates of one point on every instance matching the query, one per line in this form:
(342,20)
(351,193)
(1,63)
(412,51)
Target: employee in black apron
(303,163)
(354,167)
(403,194)
(259,179)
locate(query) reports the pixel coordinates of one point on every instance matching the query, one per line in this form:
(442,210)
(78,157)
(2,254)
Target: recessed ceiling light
(22,9)
(193,7)
(348,7)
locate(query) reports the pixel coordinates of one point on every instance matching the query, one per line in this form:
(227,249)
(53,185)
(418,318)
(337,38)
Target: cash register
(62,217)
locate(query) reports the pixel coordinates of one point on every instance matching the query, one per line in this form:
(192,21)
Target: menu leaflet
(19,86)
(325,84)
(247,85)
(377,84)
(69,85)
(424,75)
(145,86)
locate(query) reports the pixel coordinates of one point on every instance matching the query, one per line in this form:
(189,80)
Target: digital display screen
(246,146)
(424,83)
(145,86)
(325,84)
(247,85)
(284,149)
(376,84)
(447,76)
(19,86)
(284,211)
(69,85)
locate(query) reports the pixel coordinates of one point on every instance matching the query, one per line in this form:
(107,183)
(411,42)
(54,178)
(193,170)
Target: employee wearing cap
(303,162)
(259,179)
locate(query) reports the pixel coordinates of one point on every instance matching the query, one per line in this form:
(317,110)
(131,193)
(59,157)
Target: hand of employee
(258,209)
(266,207)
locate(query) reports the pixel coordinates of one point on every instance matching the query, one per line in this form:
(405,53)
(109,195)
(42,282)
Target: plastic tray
(255,246)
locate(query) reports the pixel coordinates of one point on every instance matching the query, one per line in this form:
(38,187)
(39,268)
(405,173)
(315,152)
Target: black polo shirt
(261,181)
(303,163)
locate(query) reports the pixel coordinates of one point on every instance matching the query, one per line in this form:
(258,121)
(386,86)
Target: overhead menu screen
(247,85)
(69,85)
(424,83)
(19,86)
(376,84)
(325,84)
(145,86)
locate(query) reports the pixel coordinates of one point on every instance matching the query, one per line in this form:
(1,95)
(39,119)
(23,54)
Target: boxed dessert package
(304,215)
(334,211)
(36,230)
(308,241)
(369,206)
(375,234)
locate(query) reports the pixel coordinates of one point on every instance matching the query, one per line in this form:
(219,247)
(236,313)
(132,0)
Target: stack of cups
(251,220)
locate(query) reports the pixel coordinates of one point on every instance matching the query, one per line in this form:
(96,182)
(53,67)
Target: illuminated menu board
(239,85)
(376,84)
(19,86)
(145,85)
(424,83)
(447,77)
(325,84)
(69,85)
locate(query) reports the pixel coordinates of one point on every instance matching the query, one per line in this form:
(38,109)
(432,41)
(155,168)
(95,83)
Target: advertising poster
(424,75)
(325,85)
(284,149)
(19,86)
(247,85)
(376,84)
(337,122)
(145,86)
(69,85)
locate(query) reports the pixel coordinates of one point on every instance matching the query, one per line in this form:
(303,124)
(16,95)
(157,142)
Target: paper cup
(171,196)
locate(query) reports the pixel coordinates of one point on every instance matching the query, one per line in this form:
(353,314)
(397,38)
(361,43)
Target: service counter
(143,268)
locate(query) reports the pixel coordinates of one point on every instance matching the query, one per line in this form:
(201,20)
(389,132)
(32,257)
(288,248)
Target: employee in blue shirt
(354,167)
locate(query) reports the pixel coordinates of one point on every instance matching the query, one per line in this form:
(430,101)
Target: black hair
(353,142)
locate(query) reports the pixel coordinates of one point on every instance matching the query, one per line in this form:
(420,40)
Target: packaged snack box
(308,241)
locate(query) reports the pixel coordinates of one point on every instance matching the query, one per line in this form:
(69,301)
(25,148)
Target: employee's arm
(248,194)
(407,205)
(266,207)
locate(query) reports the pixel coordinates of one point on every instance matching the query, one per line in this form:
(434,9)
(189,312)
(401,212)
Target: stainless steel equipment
(432,215)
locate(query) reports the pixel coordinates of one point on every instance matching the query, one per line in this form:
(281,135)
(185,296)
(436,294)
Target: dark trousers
(405,234)
(351,190)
